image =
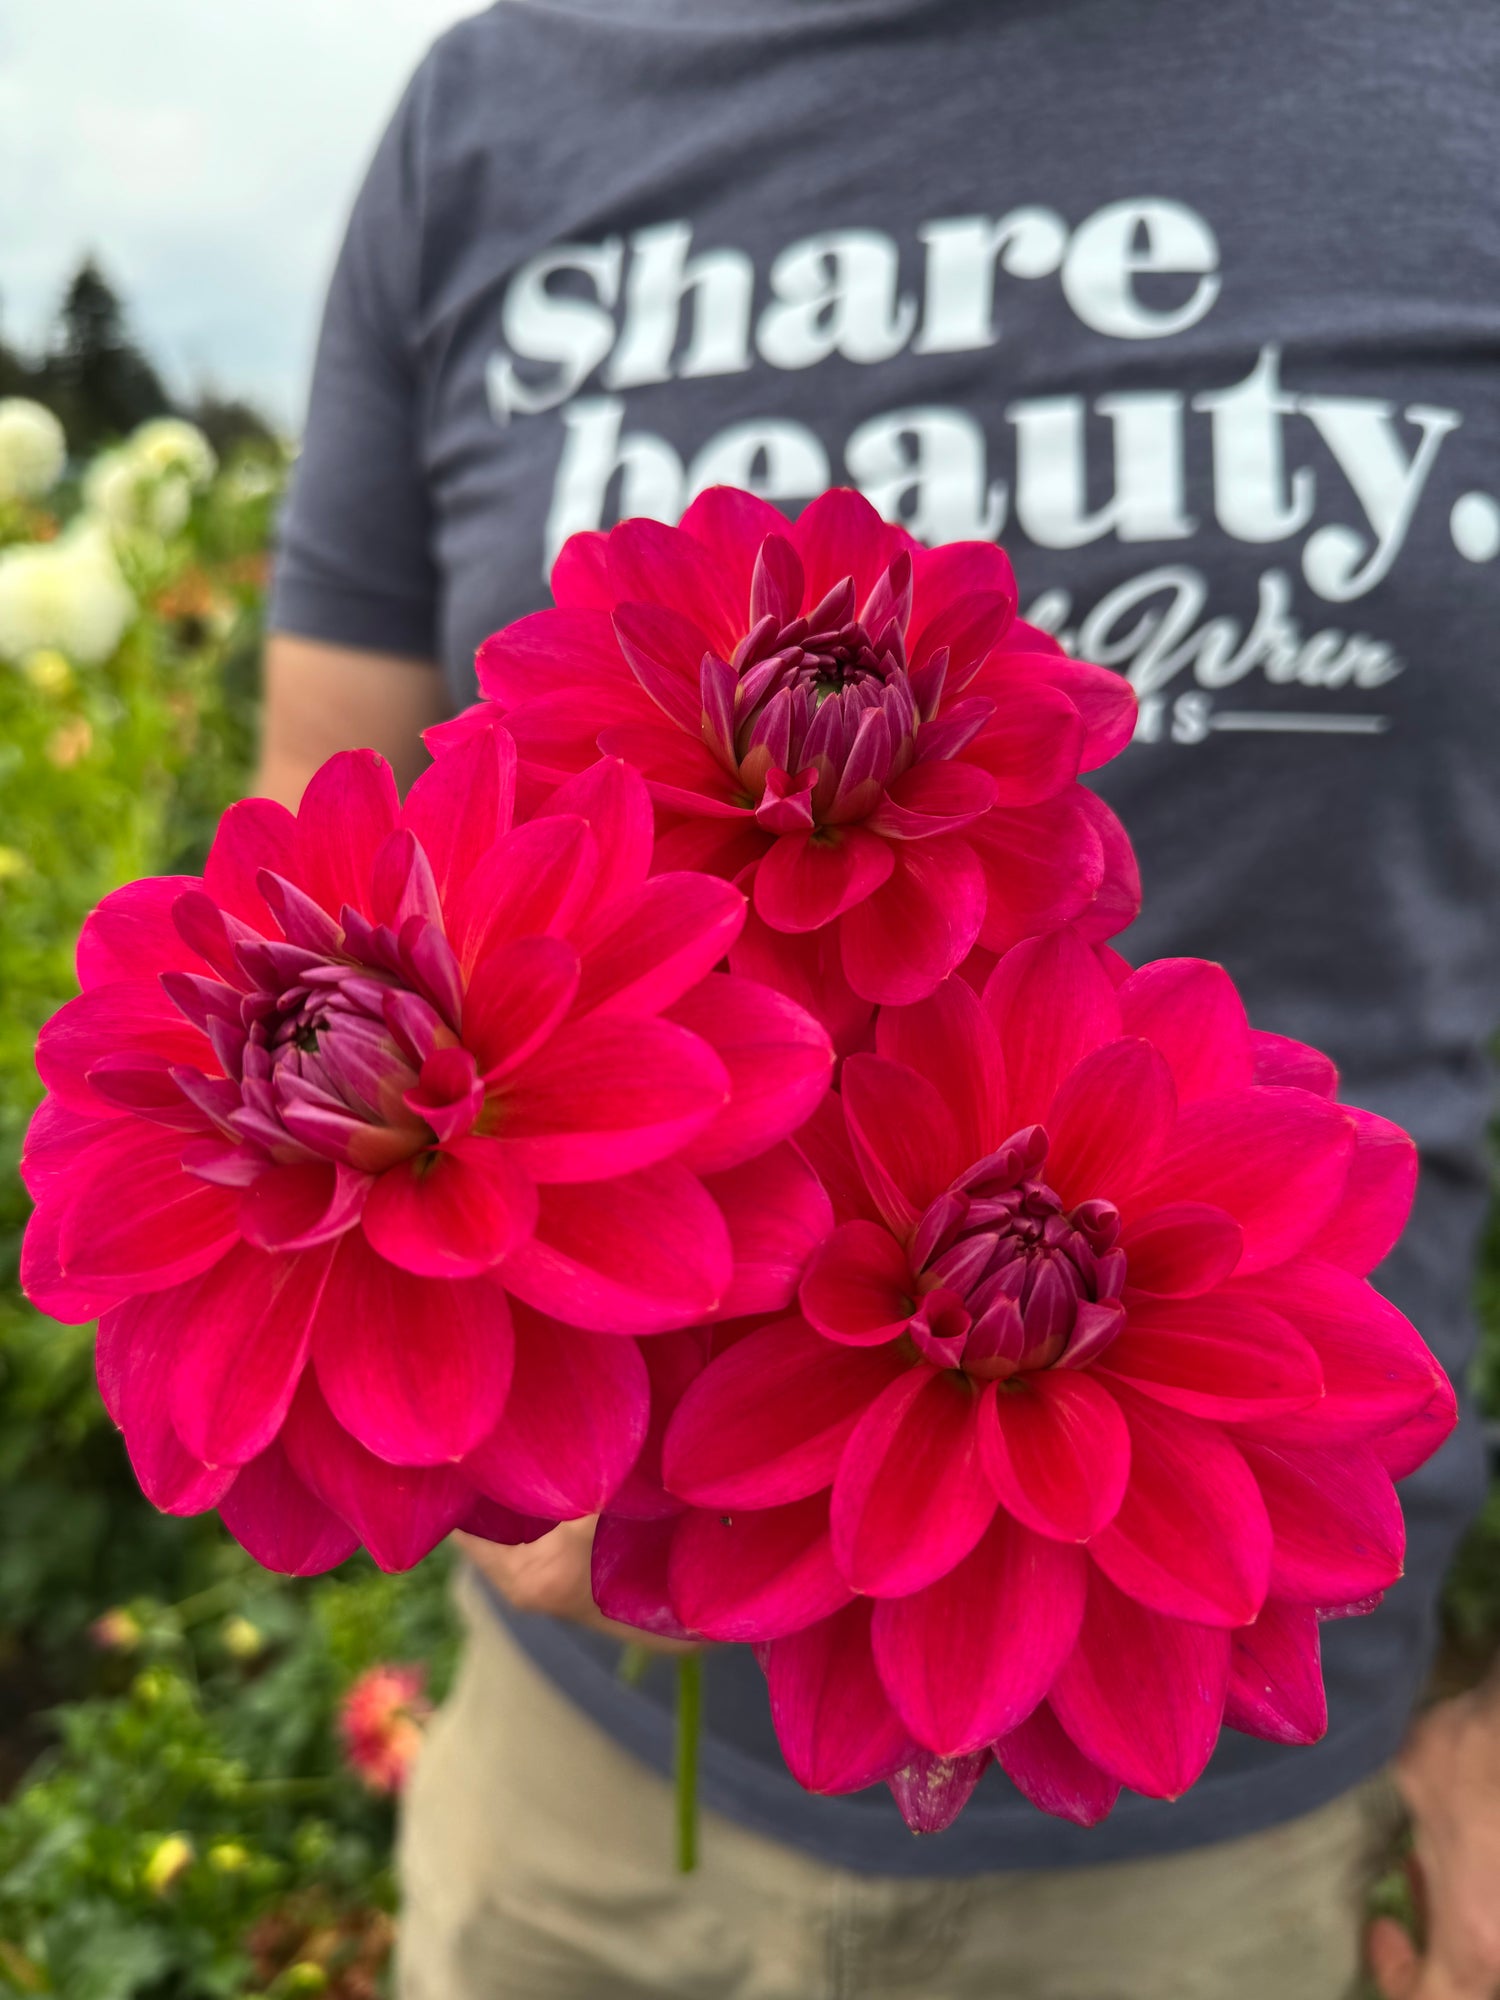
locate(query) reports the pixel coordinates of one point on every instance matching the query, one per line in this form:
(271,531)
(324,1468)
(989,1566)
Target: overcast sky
(206,152)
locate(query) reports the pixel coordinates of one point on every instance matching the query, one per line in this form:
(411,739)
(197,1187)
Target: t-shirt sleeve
(354,563)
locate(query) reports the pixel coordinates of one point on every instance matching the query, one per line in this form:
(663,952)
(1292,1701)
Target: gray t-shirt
(1196,307)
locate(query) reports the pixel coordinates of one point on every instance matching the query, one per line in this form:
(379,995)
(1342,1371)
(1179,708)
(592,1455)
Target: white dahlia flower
(68,595)
(33,449)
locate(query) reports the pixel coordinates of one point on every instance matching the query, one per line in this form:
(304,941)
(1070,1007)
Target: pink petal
(1116,902)
(1043,865)
(1277,1160)
(1052,1005)
(136,1016)
(399,1512)
(452,1212)
(1336,1520)
(1278,1059)
(57,1137)
(974,576)
(1143,1696)
(534,882)
(416,1368)
(858,1288)
(1056,1449)
(755,1575)
(779,1060)
(1109,1121)
(949,1039)
(937,796)
(558,735)
(910,1498)
(298,1207)
(1276,1676)
(904,1137)
(1189,1539)
(532,657)
(572,1425)
(930,1792)
(1190,1010)
(276,1519)
(71,1300)
(138,1343)
(731,525)
(607,1095)
(131,935)
(246,1328)
(840,535)
(837,1731)
(767,1421)
(681,773)
(650,946)
(1032,745)
(777,1214)
(640,1254)
(808,879)
(1182,1249)
(824,1139)
(969,1657)
(136,1220)
(918,927)
(807,968)
(673,1361)
(253,835)
(1043,1762)
(630,1574)
(348,810)
(1378,1372)
(613,800)
(653,564)
(491,1522)
(1105,700)
(461,805)
(663,650)
(1411,1443)
(1220,1357)
(516,997)
(1377,1198)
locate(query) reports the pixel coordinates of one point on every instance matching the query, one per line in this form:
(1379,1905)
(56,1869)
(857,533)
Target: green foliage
(185,1827)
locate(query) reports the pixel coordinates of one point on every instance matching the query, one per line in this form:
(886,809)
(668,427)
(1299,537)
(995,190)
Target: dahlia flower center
(1010,1280)
(338,1042)
(816,714)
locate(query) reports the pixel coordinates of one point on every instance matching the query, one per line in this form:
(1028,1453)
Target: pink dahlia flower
(857,725)
(1089,1415)
(369,1147)
(381,1723)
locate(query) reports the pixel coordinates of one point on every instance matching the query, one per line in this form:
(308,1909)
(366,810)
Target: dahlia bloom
(855,727)
(1088,1416)
(381,1720)
(368,1147)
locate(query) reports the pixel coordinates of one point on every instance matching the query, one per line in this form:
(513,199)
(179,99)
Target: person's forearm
(320,699)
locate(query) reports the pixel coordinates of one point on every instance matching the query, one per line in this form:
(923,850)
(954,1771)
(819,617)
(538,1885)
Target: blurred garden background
(197,1761)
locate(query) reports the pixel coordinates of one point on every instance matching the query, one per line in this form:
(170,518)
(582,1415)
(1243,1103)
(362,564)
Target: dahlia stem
(689,1729)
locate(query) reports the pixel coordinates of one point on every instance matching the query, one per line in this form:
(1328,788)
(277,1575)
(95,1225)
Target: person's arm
(1449,1778)
(322,698)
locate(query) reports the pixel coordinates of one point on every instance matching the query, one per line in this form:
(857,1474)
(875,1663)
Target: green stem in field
(689,1730)
(634,1660)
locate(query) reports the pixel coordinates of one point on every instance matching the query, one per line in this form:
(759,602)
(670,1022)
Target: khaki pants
(536,1862)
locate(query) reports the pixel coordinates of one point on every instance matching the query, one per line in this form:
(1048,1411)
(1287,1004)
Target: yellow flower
(12,863)
(169,1859)
(241,1639)
(228,1857)
(48,670)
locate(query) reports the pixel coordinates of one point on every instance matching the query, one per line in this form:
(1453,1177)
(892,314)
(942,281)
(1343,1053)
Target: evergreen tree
(101,384)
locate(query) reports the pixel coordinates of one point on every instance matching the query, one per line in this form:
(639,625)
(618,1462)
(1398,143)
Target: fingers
(1394,1964)
(551,1576)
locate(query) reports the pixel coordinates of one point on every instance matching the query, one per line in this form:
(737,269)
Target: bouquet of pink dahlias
(375,1149)
(1016,1389)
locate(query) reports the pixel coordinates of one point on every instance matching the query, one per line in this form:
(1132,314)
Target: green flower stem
(689,1729)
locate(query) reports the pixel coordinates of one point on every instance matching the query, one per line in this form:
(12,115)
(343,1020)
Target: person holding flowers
(1017,1414)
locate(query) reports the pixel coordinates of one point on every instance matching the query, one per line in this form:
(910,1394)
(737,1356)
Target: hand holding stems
(1448,1774)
